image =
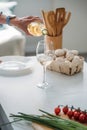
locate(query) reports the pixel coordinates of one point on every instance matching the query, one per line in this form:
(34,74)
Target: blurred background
(74,33)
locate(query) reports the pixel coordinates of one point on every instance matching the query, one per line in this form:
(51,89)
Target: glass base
(42,85)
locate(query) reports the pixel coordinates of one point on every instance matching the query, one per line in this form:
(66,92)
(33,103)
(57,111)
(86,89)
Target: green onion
(52,121)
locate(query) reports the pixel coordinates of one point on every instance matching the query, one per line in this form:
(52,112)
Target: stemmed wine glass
(44,54)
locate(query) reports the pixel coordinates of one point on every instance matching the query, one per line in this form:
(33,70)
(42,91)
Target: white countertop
(20,94)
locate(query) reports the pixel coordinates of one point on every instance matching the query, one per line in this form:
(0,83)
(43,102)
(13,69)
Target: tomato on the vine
(70,113)
(76,115)
(82,118)
(65,109)
(86,117)
(57,110)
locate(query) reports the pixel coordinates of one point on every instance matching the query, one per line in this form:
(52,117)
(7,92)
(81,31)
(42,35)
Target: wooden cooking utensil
(60,17)
(44,14)
(67,17)
(50,21)
(45,21)
(40,127)
(55,21)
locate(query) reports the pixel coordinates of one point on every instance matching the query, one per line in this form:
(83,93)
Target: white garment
(12,42)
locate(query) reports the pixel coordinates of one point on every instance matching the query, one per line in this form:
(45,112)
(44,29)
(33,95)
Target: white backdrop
(75,32)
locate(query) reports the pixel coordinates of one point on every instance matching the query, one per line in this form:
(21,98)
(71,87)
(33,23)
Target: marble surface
(21,94)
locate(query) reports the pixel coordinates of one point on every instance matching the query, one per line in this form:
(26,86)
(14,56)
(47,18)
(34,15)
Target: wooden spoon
(60,17)
(44,14)
(50,21)
(67,17)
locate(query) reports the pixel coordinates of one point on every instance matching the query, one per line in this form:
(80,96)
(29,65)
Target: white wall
(74,34)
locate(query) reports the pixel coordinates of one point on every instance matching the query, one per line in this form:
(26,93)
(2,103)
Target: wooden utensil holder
(57,41)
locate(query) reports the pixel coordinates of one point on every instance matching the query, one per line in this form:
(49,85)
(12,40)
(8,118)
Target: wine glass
(37,29)
(45,55)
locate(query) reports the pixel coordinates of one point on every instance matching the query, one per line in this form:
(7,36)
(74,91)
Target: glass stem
(44,73)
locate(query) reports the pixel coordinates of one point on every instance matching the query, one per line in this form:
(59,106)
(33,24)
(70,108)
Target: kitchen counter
(20,93)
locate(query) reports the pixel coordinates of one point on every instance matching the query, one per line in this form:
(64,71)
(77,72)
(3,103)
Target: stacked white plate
(15,65)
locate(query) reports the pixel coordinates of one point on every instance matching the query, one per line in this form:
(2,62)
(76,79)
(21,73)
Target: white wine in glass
(44,57)
(37,29)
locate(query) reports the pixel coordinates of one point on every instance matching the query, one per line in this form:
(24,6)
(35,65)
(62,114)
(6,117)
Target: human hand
(23,22)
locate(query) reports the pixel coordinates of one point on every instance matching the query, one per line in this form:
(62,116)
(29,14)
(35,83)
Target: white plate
(15,65)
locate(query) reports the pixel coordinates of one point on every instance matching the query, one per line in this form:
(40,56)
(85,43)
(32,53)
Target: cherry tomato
(70,113)
(57,110)
(85,117)
(65,109)
(82,118)
(85,113)
(76,115)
